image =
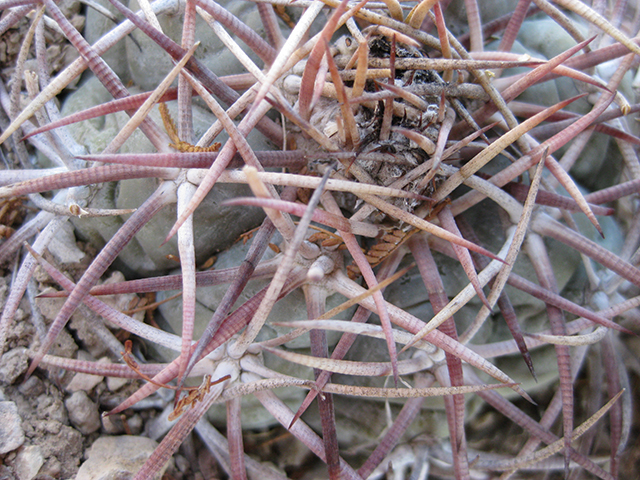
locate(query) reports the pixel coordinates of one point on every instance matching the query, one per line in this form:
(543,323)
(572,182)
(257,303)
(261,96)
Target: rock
(13,364)
(85,381)
(64,346)
(83,413)
(33,387)
(11,433)
(49,306)
(112,458)
(112,425)
(63,245)
(135,423)
(51,469)
(182,464)
(160,425)
(28,462)
(116,383)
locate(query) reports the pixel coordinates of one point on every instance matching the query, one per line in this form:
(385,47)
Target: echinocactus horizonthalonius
(449,172)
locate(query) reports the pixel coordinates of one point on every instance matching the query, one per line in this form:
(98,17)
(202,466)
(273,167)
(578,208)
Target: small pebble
(63,246)
(116,383)
(135,424)
(11,433)
(112,425)
(13,364)
(182,464)
(28,462)
(33,387)
(117,457)
(51,469)
(83,413)
(85,381)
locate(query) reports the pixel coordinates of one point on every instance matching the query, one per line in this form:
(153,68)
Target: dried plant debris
(438,273)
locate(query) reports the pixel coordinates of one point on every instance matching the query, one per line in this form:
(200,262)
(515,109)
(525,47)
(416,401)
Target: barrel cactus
(456,297)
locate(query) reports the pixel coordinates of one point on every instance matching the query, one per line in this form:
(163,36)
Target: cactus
(448,172)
